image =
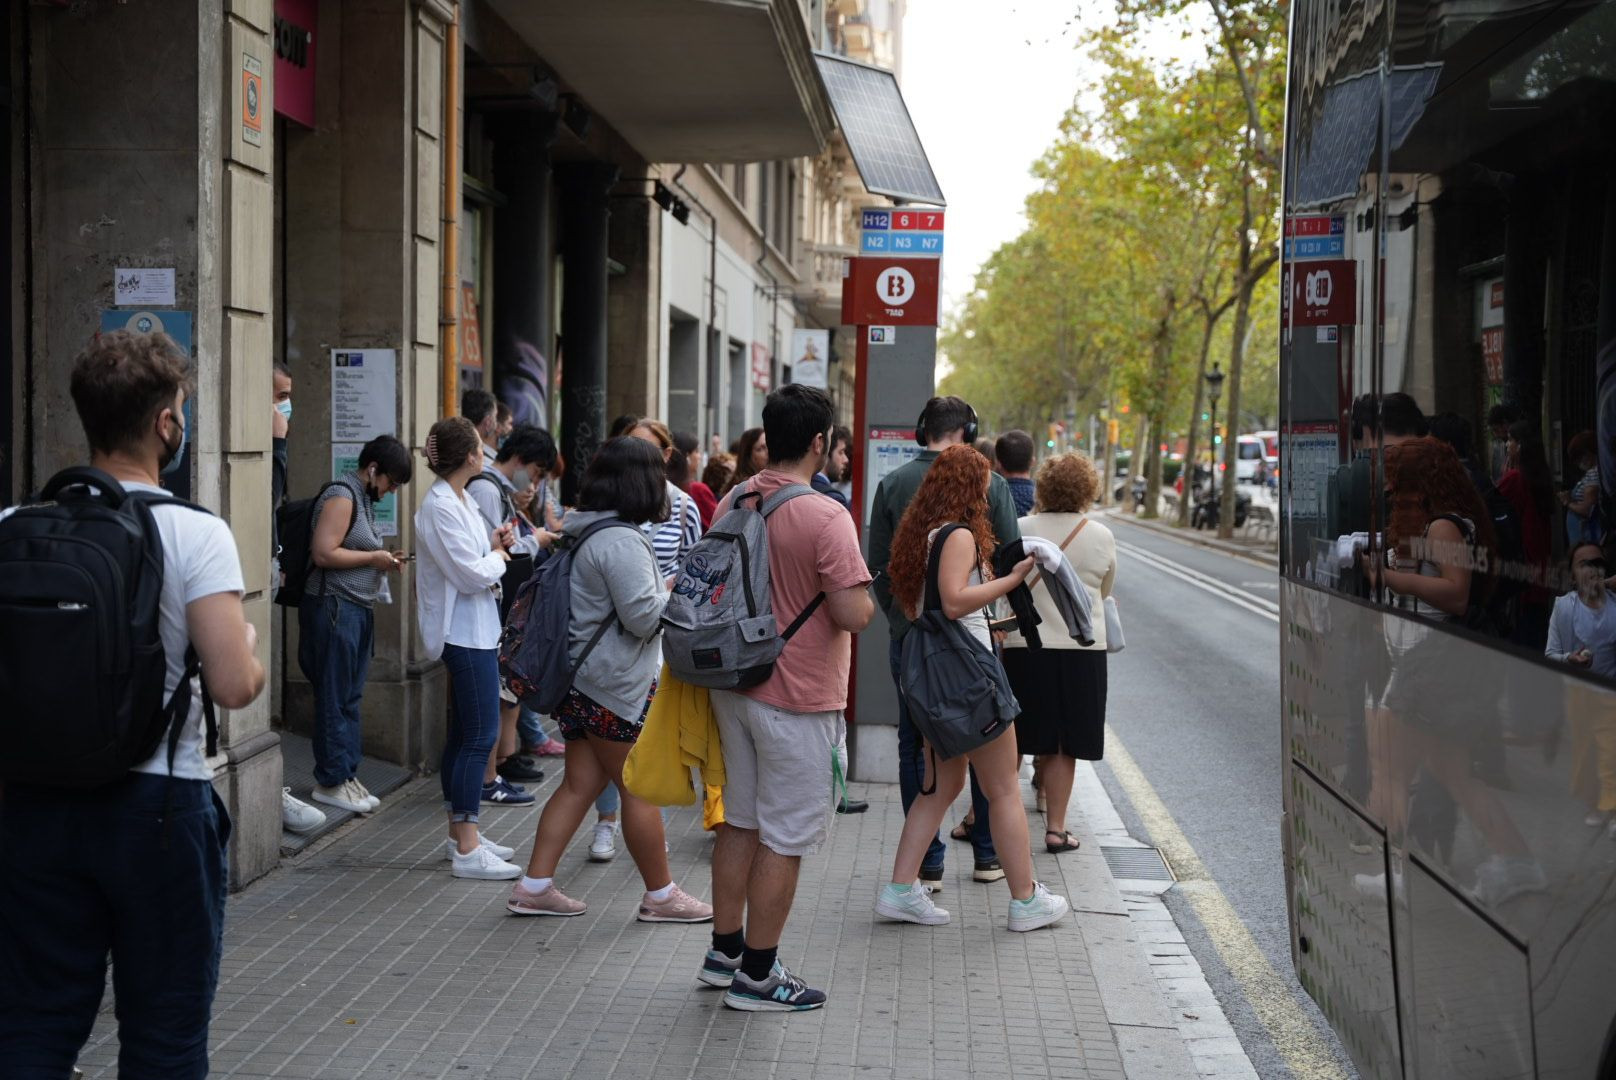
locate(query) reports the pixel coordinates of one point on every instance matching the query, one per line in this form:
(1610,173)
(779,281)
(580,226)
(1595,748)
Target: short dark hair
(1454,430)
(449,443)
(679,469)
(840,434)
(685,443)
(792,416)
(945,415)
(530,445)
(626,475)
(282,369)
(121,381)
(623,425)
(502,411)
(1581,445)
(477,405)
(391,458)
(1400,415)
(1014,449)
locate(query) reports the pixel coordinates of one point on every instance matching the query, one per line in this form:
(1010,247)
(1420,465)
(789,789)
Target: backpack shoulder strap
(783,496)
(934,596)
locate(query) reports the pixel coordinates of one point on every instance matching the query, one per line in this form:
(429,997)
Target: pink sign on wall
(294,59)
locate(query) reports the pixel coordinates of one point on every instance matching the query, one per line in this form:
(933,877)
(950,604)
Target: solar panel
(886,148)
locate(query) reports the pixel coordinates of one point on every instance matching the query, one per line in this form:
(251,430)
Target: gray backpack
(719,629)
(957,693)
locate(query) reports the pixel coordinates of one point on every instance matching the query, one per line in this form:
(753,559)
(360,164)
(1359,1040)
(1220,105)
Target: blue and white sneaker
(719,970)
(501,793)
(780,992)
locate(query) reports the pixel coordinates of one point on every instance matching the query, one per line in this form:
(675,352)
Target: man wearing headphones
(944,422)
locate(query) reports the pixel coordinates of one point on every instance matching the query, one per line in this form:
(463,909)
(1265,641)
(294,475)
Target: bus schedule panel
(1449,509)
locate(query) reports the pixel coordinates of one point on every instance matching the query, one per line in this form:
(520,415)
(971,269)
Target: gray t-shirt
(361,584)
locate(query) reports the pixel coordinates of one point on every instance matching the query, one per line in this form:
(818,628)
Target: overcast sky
(987,85)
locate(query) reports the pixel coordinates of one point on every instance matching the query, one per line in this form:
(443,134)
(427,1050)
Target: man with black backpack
(112,839)
(779,733)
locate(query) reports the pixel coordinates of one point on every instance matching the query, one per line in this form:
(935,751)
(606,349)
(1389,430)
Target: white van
(1249,455)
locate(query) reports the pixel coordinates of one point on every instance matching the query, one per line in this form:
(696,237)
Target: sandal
(1068,842)
(962,831)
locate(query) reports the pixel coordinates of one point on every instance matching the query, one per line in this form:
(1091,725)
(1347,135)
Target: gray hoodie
(616,573)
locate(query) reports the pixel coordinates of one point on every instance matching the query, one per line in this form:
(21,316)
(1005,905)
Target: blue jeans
(529,728)
(333,649)
(107,870)
(912,777)
(473,727)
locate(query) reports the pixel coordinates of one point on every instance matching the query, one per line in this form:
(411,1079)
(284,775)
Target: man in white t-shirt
(135,868)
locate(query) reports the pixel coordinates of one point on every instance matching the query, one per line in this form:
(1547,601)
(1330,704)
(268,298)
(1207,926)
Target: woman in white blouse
(460,563)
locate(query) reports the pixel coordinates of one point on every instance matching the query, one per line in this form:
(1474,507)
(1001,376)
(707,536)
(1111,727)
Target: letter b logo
(896,286)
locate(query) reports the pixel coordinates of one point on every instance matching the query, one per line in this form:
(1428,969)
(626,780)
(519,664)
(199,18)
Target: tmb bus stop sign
(879,291)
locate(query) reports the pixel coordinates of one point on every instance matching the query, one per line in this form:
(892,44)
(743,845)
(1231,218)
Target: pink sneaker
(551,748)
(680,906)
(551,901)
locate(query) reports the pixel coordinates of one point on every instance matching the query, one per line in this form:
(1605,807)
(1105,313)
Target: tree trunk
(1153,468)
(1136,461)
(1231,445)
(1192,448)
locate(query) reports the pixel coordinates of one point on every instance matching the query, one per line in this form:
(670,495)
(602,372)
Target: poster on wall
(177,325)
(345,458)
(364,394)
(810,357)
(762,369)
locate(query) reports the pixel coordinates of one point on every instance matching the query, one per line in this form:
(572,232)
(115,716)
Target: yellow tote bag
(655,769)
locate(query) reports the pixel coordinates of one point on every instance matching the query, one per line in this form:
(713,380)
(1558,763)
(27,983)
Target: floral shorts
(578,715)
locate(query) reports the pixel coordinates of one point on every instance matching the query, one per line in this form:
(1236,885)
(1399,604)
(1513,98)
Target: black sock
(733,944)
(757,963)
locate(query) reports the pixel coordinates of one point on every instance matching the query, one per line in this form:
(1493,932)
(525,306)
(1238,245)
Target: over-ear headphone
(971,427)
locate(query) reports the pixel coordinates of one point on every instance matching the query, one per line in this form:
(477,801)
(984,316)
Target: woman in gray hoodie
(615,582)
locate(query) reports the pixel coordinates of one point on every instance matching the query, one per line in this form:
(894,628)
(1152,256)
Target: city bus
(1449,273)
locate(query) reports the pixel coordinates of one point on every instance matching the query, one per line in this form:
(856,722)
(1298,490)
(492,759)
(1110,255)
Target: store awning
(686,80)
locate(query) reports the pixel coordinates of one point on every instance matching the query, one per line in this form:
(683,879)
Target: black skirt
(1062,696)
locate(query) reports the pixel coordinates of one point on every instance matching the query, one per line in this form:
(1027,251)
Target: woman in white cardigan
(1062,686)
(461,562)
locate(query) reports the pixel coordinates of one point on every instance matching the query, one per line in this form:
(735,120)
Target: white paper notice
(143,287)
(364,394)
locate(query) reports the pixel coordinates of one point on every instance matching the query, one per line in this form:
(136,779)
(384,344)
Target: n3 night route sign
(879,291)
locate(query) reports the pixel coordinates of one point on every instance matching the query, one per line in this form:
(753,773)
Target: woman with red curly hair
(956,491)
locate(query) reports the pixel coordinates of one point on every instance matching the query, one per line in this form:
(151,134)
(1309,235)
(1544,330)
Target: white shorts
(777,769)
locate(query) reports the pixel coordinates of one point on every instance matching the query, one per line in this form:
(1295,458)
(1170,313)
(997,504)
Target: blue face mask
(177,454)
(284,408)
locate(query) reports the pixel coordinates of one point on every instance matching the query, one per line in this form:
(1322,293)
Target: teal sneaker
(780,992)
(719,970)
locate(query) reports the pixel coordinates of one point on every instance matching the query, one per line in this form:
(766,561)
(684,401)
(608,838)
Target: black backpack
(295,522)
(82,666)
(1490,608)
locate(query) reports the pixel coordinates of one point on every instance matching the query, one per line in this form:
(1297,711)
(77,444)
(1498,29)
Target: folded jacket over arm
(1070,597)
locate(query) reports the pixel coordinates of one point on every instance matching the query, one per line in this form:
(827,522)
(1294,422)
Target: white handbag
(1113,626)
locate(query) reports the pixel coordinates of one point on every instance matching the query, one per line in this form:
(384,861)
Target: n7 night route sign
(879,291)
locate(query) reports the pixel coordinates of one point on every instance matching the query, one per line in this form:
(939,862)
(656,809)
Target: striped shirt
(360,584)
(672,538)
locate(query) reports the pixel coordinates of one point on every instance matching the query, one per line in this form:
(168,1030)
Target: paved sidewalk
(365,958)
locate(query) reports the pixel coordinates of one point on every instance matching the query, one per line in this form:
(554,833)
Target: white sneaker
(1502,878)
(1040,909)
(603,848)
(451,849)
(1596,818)
(343,797)
(365,793)
(910,905)
(483,865)
(298,816)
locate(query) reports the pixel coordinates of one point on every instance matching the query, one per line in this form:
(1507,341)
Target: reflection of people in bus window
(1582,522)
(1529,486)
(1439,718)
(1582,634)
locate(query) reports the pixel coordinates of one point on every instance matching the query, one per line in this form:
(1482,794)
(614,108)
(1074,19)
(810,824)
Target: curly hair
(1066,484)
(1425,481)
(955,489)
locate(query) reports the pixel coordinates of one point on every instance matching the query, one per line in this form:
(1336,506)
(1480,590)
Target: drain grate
(1137,863)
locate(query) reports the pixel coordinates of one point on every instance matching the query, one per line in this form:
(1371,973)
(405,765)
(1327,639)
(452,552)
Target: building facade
(484,193)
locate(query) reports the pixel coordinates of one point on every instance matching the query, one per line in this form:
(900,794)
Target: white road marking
(1257,605)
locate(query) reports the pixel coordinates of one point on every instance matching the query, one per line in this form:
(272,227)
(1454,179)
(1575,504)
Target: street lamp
(1214,387)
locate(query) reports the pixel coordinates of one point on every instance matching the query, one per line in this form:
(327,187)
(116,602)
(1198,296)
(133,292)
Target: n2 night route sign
(890,292)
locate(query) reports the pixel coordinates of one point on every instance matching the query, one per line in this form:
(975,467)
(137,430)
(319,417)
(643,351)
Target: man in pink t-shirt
(779,736)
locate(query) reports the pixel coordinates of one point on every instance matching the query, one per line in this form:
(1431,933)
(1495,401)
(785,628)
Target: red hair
(1426,481)
(955,490)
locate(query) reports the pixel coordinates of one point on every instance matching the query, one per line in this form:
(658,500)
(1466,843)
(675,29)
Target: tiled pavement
(364,958)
